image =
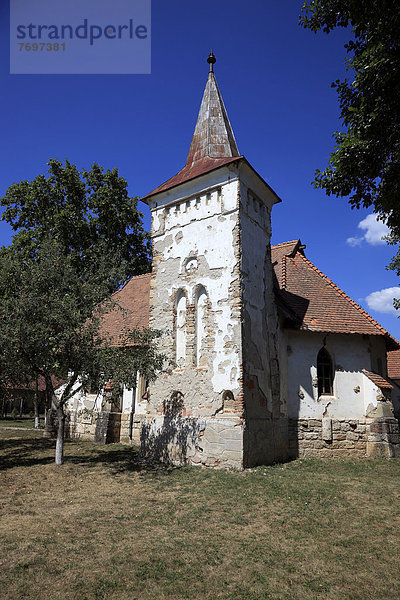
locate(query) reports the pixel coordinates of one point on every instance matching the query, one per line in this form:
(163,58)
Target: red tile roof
(134,300)
(191,171)
(320,305)
(381,382)
(32,384)
(393,362)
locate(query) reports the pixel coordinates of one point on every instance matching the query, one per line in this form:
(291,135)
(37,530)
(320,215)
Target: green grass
(105,526)
(25,422)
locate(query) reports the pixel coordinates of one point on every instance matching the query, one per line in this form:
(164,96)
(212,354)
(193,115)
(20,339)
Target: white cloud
(382,300)
(374,232)
(355,241)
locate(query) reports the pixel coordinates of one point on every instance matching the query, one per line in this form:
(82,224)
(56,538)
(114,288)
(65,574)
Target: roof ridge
(344,295)
(284,278)
(284,243)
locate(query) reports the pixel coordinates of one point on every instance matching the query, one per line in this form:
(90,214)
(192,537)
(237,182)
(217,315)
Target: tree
(365,162)
(79,238)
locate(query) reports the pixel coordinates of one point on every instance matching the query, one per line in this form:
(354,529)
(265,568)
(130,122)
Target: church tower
(212,295)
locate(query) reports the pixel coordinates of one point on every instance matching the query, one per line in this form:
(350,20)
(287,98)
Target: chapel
(271,360)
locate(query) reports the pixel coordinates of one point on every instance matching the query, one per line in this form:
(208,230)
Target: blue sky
(275,80)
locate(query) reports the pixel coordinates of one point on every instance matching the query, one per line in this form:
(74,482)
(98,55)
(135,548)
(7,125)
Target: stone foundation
(383,438)
(223,442)
(344,438)
(265,441)
(130,432)
(194,441)
(106,427)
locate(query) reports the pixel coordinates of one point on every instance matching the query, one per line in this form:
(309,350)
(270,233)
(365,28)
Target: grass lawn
(103,526)
(25,422)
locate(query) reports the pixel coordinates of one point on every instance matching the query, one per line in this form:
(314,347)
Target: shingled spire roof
(213,136)
(213,143)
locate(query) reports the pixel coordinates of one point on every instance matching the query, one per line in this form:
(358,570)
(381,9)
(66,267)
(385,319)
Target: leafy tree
(79,238)
(89,214)
(365,162)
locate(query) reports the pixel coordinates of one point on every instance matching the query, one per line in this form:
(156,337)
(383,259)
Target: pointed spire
(213,144)
(213,136)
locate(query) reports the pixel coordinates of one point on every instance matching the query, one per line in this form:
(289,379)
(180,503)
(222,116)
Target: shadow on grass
(24,452)
(120,460)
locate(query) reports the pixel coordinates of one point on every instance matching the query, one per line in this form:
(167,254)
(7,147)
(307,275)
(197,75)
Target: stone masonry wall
(105,427)
(192,441)
(82,426)
(343,438)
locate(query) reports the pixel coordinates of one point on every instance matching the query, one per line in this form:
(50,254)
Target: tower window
(180,329)
(324,372)
(201,327)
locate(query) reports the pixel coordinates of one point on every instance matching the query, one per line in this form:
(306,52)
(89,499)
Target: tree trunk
(58,405)
(36,404)
(47,406)
(21,407)
(60,435)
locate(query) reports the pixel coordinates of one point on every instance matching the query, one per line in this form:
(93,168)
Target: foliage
(51,322)
(79,237)
(365,162)
(89,214)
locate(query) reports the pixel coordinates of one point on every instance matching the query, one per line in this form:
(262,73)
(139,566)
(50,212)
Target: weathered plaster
(196,252)
(265,413)
(204,256)
(352,391)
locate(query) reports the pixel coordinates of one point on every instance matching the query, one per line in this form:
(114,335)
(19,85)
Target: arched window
(180,329)
(201,326)
(324,372)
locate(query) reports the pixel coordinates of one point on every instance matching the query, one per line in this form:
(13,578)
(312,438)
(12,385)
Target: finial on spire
(211,61)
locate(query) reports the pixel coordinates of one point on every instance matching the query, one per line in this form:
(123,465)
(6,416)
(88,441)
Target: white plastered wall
(193,233)
(353,392)
(80,401)
(131,398)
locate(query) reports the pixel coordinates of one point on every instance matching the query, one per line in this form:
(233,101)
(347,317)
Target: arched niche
(201,302)
(180,328)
